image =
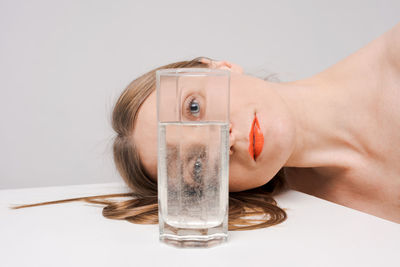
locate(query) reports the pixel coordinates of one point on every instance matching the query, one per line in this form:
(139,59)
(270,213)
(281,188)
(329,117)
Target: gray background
(64,63)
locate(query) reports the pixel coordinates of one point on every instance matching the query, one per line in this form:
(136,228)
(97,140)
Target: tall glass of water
(193,156)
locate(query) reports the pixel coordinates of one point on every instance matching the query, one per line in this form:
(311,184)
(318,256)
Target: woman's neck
(331,108)
(323,128)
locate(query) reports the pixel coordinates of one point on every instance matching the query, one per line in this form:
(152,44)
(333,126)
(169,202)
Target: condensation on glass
(193,156)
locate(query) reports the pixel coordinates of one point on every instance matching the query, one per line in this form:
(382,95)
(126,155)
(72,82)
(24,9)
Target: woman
(333,135)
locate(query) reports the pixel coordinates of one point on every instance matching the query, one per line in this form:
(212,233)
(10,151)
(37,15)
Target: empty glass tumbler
(193,156)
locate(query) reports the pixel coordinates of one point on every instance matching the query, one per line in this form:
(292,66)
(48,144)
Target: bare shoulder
(364,188)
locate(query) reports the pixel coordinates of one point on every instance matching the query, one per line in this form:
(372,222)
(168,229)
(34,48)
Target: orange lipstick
(256,139)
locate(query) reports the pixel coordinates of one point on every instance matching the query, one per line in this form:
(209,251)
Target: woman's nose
(231,139)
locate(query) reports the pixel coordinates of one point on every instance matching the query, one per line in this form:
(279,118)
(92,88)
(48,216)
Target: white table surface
(316,233)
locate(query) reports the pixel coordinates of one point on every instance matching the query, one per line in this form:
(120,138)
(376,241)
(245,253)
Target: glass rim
(192,72)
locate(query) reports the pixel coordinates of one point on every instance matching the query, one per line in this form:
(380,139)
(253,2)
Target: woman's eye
(193,107)
(197,168)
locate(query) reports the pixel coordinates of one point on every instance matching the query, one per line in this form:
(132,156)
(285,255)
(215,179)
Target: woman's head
(135,154)
(135,121)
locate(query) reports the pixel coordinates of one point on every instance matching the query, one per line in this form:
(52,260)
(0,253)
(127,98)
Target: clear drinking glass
(193,156)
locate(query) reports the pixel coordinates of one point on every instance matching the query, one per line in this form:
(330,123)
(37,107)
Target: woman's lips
(256,139)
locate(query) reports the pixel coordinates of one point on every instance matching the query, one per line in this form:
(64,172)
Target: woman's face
(249,97)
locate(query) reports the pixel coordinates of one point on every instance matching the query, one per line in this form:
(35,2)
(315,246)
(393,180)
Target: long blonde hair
(142,208)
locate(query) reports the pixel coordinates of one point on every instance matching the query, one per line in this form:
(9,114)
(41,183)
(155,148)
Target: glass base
(193,237)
